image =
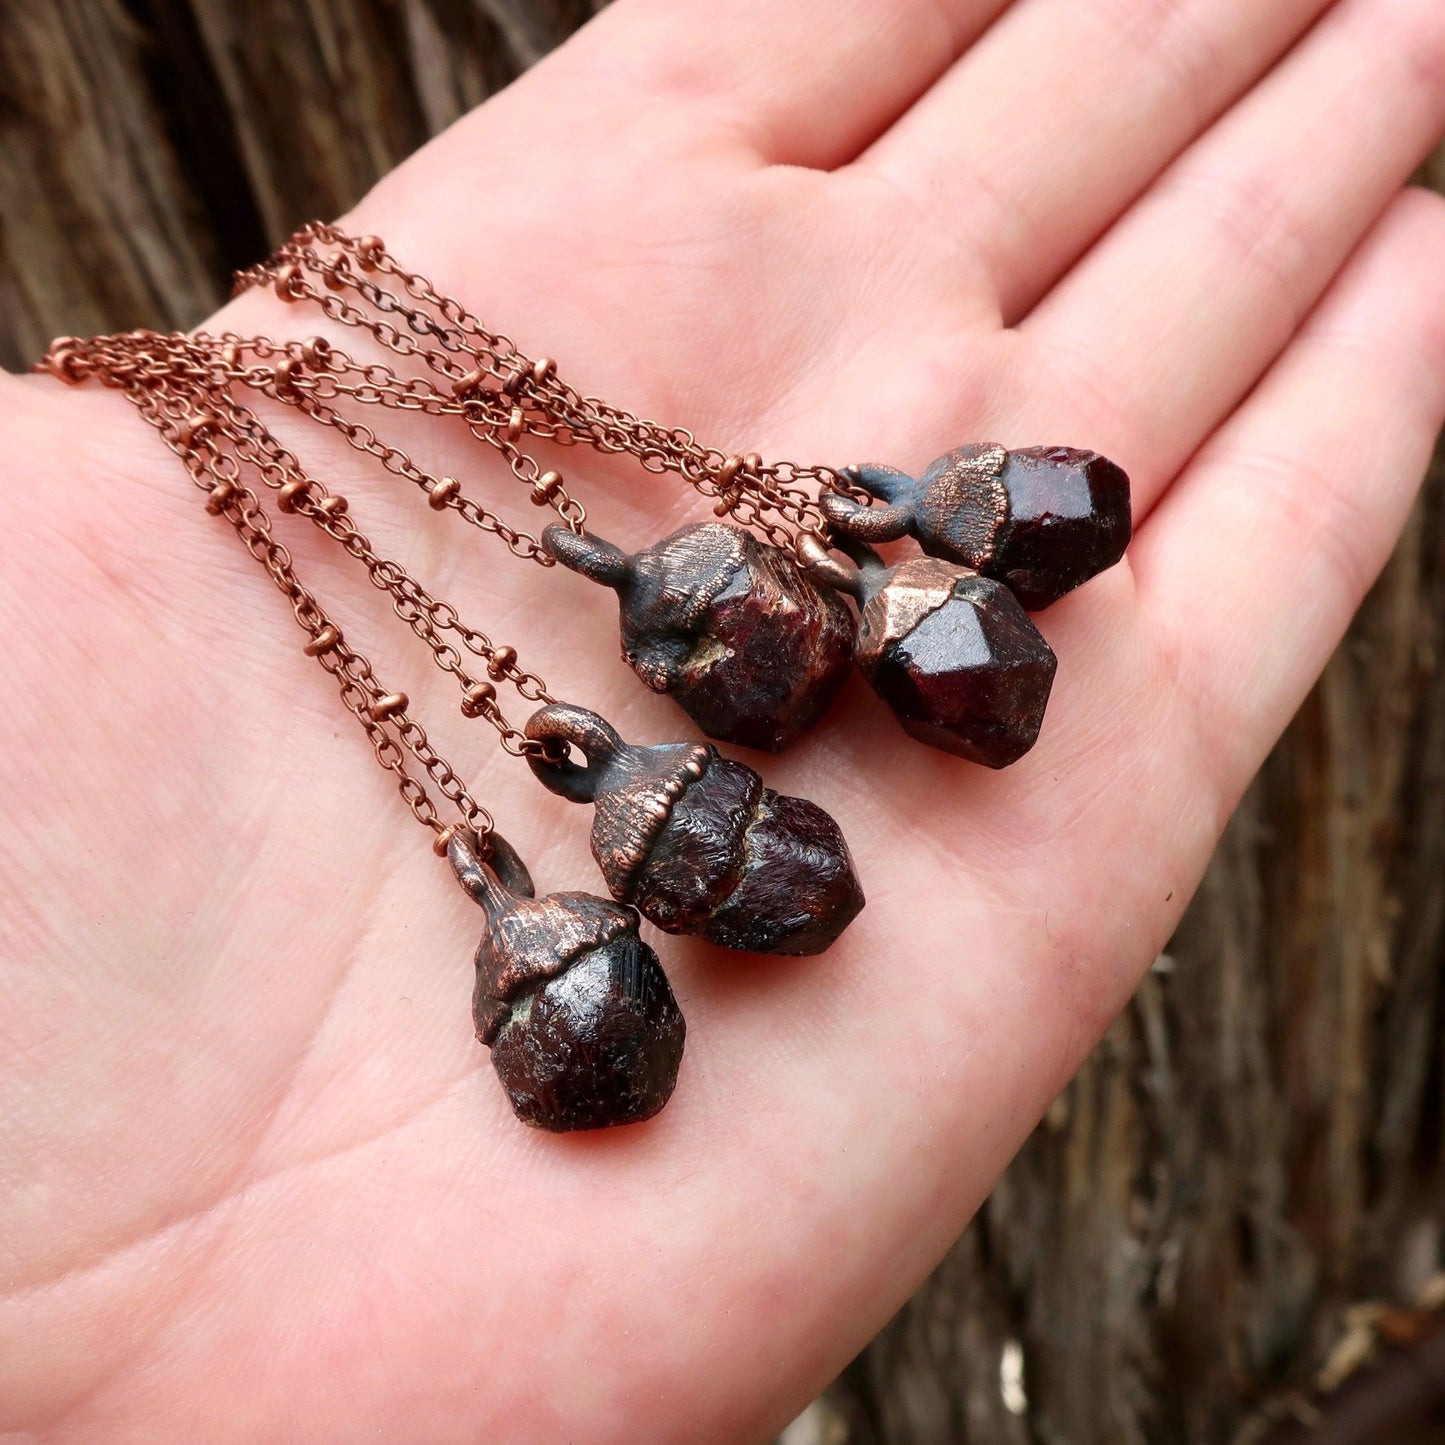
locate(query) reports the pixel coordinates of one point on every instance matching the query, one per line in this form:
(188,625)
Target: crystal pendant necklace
(747,621)
(738,620)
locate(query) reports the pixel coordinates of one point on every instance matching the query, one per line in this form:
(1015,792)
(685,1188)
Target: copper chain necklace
(739,619)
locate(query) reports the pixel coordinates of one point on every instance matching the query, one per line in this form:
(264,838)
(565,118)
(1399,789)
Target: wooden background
(1239,1201)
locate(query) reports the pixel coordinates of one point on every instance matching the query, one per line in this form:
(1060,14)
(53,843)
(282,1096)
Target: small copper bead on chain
(316,351)
(230,356)
(285,374)
(729,485)
(324,640)
(61,363)
(291,492)
(545,488)
(332,506)
(516,424)
(542,368)
(513,380)
(192,427)
(472,381)
(501,659)
(369,252)
(477,699)
(442,493)
(286,279)
(219,497)
(389,706)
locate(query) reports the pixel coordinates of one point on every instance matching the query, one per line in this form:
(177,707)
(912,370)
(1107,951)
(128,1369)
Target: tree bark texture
(1240,1200)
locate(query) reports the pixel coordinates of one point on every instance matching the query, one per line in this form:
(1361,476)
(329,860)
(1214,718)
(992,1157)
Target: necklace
(740,619)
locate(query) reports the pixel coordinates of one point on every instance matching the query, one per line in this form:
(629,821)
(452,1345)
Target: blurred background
(1229,1229)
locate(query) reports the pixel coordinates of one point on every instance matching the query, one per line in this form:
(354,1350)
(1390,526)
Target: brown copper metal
(442,841)
(697,843)
(504,396)
(389,706)
(192,428)
(380,712)
(732,628)
(1044,520)
(173,381)
(583,1027)
(219,497)
(324,640)
(285,373)
(291,492)
(480,377)
(818,562)
(444,492)
(60,361)
(545,488)
(504,658)
(955,656)
(478,698)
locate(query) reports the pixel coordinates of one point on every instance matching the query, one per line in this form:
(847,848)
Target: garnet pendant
(1041,519)
(583,1027)
(955,656)
(749,645)
(698,844)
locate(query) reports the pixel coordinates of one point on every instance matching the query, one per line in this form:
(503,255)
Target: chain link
(507,394)
(179,386)
(184,386)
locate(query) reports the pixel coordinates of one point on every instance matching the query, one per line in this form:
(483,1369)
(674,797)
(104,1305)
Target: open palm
(256,1180)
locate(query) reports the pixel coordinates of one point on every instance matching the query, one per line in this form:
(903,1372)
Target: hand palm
(263,1180)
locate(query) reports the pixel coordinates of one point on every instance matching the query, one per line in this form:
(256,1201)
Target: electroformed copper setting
(742,620)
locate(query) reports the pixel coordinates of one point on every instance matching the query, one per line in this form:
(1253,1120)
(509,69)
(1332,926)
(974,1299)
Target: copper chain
(179,389)
(504,394)
(184,386)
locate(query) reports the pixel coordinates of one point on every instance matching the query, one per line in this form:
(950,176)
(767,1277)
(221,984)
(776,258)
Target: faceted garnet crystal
(698,844)
(583,1027)
(1041,519)
(956,658)
(731,627)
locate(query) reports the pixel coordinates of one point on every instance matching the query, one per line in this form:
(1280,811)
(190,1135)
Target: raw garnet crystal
(583,1027)
(1066,519)
(698,843)
(729,626)
(956,658)
(1041,519)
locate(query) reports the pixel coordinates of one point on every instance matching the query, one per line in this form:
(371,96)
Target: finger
(1160,334)
(1048,127)
(1253,565)
(809,82)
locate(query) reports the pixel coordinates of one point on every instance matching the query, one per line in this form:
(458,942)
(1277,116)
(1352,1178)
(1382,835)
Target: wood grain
(1258,1146)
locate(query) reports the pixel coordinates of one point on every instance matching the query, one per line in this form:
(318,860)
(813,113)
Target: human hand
(258,1183)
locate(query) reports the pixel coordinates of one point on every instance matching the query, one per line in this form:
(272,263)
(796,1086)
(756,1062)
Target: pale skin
(257,1181)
